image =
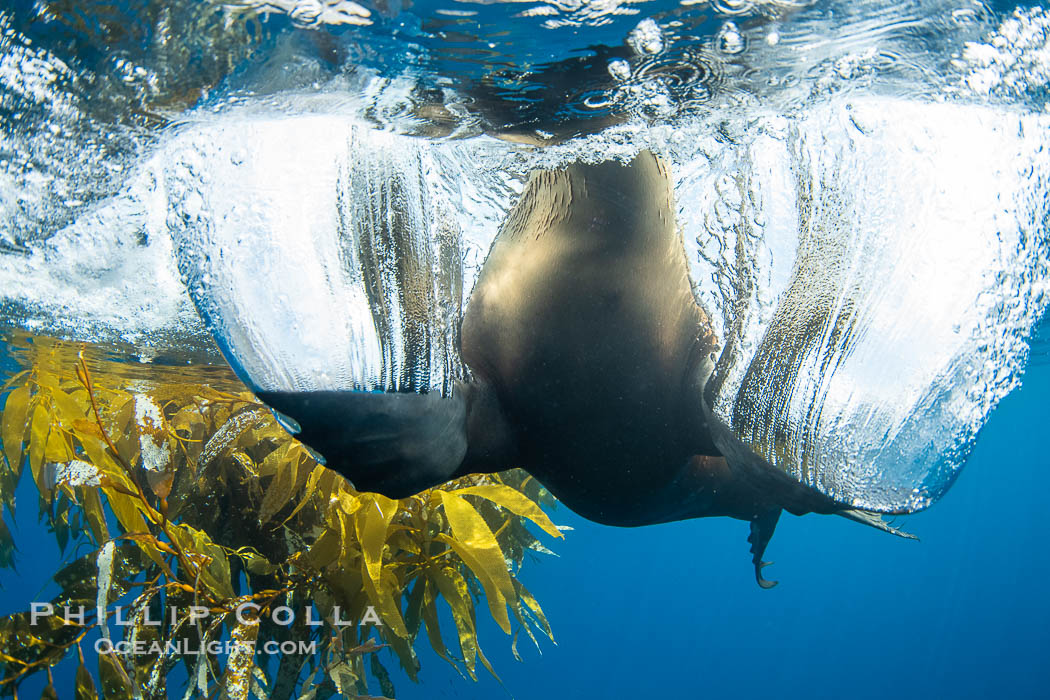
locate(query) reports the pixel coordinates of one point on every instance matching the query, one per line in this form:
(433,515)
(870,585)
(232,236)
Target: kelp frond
(191,497)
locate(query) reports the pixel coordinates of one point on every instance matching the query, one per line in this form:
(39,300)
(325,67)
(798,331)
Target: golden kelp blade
(85,684)
(211,503)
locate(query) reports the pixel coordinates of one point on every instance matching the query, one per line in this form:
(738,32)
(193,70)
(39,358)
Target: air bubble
(646,38)
(730,40)
(620,69)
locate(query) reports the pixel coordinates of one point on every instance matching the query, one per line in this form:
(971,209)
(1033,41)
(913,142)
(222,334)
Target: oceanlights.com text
(187,647)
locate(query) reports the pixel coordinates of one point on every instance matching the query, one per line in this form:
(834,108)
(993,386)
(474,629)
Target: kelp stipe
(189,493)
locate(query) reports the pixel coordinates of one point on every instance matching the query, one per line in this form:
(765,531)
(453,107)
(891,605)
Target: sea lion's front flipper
(762,527)
(396,444)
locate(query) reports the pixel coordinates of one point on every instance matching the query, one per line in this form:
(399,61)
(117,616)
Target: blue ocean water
(672,611)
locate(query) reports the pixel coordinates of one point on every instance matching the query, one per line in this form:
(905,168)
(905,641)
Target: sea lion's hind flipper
(865,517)
(396,444)
(762,527)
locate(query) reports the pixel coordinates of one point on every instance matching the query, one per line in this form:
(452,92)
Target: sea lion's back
(584,323)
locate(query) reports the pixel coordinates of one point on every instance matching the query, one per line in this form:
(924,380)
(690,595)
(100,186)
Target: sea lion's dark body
(584,325)
(589,355)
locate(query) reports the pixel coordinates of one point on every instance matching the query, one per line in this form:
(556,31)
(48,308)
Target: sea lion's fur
(589,355)
(584,325)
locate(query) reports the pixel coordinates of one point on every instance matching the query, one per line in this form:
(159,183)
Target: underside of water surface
(312,187)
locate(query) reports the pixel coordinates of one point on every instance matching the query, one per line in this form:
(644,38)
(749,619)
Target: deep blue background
(672,611)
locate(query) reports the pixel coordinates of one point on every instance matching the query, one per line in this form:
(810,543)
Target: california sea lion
(589,356)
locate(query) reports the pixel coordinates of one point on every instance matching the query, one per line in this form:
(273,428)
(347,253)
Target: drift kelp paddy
(218,535)
(667,260)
